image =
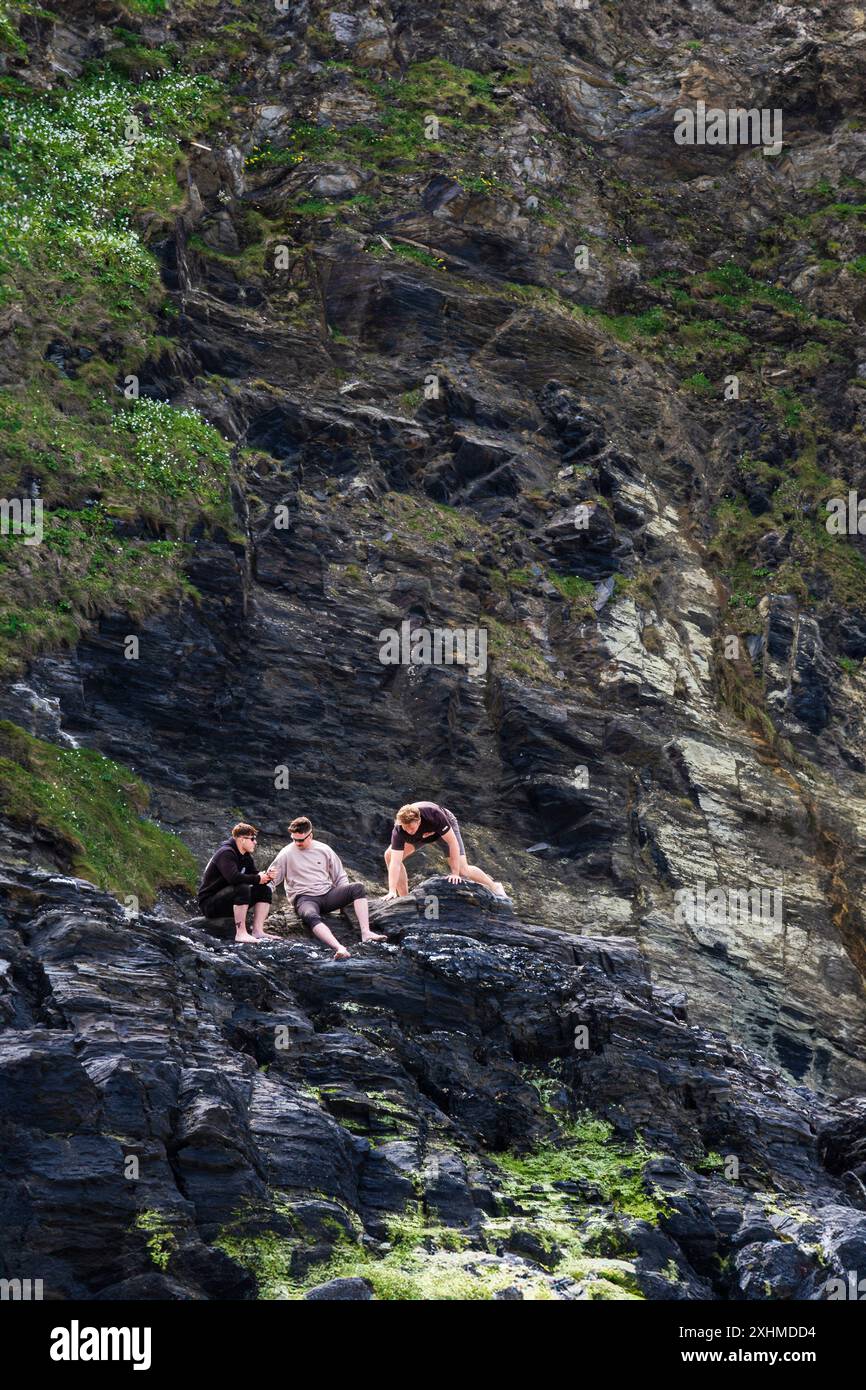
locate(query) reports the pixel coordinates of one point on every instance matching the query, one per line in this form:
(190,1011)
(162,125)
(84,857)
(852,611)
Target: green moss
(395,138)
(409,1275)
(811,357)
(612,1288)
(512,645)
(93,809)
(588,1154)
(630,328)
(790,408)
(738,288)
(267,1257)
(518,579)
(418,518)
(427,1262)
(711,1162)
(412,1230)
(819,565)
(411,400)
(545,1084)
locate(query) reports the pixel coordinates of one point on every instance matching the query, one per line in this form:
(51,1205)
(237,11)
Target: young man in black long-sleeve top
(231,882)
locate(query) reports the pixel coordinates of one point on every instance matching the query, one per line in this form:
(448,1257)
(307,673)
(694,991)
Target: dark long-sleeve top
(227,868)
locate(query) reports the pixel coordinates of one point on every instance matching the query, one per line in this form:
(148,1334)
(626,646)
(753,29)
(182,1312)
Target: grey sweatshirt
(315,870)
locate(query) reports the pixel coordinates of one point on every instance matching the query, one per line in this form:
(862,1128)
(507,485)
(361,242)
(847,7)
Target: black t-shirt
(434,823)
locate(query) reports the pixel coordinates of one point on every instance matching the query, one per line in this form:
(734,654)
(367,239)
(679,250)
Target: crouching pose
(231,883)
(316,882)
(418,823)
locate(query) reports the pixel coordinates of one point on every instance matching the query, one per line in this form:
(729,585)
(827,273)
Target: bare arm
(277,869)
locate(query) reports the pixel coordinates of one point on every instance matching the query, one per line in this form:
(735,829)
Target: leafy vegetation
(77,167)
(161,1241)
(167,467)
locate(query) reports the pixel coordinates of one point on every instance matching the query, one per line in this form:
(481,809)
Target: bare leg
(240,913)
(324,934)
(477,875)
(403,877)
(362,912)
(260,912)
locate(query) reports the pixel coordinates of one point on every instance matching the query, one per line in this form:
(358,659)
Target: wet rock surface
(206,1120)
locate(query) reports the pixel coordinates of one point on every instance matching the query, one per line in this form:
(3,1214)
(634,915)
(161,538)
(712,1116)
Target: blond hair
(407,814)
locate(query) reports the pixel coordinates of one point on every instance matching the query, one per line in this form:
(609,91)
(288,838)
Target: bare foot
(243,936)
(499,890)
(374,936)
(271,935)
(342,954)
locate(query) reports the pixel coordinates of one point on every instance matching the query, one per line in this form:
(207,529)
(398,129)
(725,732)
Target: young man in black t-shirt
(419,823)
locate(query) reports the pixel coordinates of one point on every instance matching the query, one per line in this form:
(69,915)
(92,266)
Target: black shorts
(220,904)
(452,821)
(310,906)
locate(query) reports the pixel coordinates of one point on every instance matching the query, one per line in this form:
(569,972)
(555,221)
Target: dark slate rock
(275,1095)
(343,1290)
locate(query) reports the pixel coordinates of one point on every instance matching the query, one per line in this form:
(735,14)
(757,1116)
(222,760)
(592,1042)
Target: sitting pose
(414,825)
(316,882)
(231,882)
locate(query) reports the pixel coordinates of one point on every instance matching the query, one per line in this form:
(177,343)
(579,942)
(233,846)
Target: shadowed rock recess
(320,322)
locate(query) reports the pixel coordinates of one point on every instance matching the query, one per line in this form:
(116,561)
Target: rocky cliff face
(478,1108)
(536,370)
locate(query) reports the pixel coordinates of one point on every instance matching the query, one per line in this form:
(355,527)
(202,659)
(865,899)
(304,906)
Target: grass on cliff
(79,164)
(144,459)
(817,566)
(514,648)
(93,809)
(77,167)
(460,98)
(121,489)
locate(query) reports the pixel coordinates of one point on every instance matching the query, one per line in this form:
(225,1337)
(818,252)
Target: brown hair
(302,824)
(242,828)
(407,814)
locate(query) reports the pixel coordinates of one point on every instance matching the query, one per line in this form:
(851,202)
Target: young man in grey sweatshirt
(316,882)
